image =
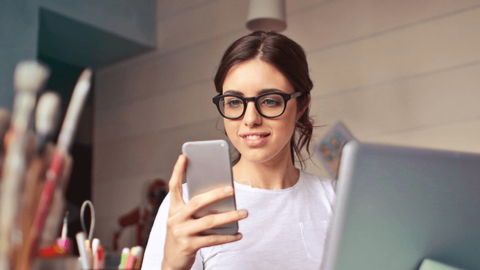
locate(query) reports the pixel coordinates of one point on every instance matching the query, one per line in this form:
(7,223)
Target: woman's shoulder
(315,180)
(319,184)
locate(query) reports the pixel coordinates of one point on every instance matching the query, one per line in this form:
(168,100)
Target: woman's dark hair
(287,57)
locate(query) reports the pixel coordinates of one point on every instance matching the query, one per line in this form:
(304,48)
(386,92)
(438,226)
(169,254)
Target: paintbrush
(63,145)
(29,77)
(57,205)
(46,118)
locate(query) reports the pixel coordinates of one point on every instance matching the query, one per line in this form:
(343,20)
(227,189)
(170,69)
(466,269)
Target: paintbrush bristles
(46,115)
(30,76)
(74,110)
(85,75)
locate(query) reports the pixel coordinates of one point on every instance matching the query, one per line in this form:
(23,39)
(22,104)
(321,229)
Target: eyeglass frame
(286,97)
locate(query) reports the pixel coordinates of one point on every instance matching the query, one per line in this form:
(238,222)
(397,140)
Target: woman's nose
(252,117)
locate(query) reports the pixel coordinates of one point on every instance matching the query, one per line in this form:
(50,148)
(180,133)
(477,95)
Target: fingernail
(243,213)
(228,189)
(239,235)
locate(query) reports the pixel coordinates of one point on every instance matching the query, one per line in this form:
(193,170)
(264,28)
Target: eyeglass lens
(270,105)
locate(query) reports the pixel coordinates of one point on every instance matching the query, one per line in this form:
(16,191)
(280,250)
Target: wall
(19,25)
(133,20)
(402,72)
(18,41)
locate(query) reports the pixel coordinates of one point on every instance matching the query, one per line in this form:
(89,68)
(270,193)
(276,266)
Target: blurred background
(403,72)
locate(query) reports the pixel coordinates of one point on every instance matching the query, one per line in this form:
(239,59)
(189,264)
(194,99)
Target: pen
(125,253)
(81,249)
(138,257)
(61,246)
(88,251)
(130,262)
(100,257)
(95,244)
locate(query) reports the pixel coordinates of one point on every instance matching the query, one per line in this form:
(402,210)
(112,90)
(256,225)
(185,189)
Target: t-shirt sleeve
(153,257)
(152,260)
(330,194)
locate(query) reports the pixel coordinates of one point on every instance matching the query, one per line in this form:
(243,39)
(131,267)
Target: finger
(211,221)
(175,183)
(214,240)
(201,200)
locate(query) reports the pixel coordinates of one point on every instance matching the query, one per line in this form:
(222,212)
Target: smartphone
(209,167)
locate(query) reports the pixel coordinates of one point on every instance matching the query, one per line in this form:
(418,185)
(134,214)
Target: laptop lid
(397,206)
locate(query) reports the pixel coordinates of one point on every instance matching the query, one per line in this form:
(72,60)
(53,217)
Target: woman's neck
(279,174)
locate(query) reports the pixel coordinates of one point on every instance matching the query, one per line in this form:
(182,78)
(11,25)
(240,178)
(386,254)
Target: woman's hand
(183,238)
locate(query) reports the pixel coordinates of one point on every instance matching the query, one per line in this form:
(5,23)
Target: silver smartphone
(209,167)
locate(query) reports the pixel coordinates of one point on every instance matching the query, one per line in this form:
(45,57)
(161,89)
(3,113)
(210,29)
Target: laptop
(397,206)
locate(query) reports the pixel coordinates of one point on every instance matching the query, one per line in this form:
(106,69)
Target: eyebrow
(263,91)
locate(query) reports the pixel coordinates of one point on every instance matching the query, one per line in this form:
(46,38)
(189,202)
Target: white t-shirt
(285,229)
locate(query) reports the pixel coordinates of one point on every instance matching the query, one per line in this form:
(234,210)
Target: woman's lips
(254,139)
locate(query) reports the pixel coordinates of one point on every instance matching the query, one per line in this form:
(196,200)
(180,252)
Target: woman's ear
(301,110)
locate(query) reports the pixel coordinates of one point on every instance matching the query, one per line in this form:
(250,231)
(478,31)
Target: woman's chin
(259,157)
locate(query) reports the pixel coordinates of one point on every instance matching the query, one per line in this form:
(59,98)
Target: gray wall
(19,24)
(18,40)
(398,72)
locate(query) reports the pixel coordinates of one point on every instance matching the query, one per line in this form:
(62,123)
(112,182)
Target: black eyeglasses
(268,105)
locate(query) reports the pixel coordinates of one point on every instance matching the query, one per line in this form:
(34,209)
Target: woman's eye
(234,102)
(271,102)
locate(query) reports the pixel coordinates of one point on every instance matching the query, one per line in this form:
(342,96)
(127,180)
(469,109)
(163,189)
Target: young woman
(264,94)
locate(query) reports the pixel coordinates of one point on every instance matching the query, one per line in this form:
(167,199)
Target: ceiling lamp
(266,15)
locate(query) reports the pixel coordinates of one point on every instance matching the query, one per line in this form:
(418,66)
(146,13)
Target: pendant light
(266,15)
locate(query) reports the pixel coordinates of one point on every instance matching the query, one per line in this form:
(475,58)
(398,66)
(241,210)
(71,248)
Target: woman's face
(257,138)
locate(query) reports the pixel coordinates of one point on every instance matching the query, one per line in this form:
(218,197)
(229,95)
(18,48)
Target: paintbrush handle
(42,210)
(33,184)
(47,192)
